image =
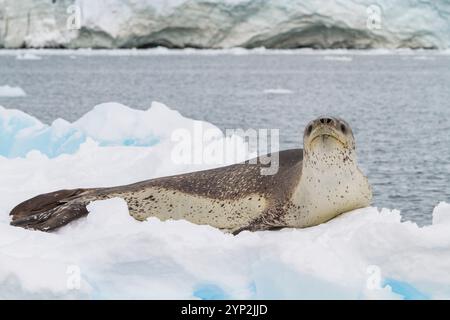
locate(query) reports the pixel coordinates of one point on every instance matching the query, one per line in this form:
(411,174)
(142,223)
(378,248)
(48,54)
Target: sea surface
(397,104)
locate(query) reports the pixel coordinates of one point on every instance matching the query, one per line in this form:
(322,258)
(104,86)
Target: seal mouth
(327,133)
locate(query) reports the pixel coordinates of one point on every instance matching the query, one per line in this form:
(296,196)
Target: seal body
(311,186)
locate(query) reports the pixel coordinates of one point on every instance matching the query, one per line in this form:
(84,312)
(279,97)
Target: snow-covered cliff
(225,23)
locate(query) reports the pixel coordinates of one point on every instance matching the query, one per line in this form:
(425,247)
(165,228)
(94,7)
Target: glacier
(368,253)
(225,24)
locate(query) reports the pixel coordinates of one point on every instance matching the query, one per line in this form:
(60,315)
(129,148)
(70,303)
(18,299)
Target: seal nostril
(309,129)
(325,120)
(343,128)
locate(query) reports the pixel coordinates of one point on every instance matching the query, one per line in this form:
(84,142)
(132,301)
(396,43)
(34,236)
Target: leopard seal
(311,186)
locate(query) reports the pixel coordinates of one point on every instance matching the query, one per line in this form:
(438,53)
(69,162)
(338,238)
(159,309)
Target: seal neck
(330,184)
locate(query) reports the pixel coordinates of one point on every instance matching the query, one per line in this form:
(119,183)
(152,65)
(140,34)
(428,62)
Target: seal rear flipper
(49,211)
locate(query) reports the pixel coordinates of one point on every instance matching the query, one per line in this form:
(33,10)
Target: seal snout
(325,124)
(328,126)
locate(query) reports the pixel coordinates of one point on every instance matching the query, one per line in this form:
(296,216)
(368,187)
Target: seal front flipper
(254,228)
(267,221)
(50,211)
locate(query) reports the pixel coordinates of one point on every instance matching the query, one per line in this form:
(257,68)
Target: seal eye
(309,130)
(343,128)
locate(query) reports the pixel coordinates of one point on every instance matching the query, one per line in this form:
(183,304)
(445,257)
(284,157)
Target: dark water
(398,105)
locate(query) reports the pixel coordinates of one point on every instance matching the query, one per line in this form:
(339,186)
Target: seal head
(328,133)
(331,182)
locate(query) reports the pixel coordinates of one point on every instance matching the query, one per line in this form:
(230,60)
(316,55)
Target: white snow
(7,91)
(365,254)
(120,125)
